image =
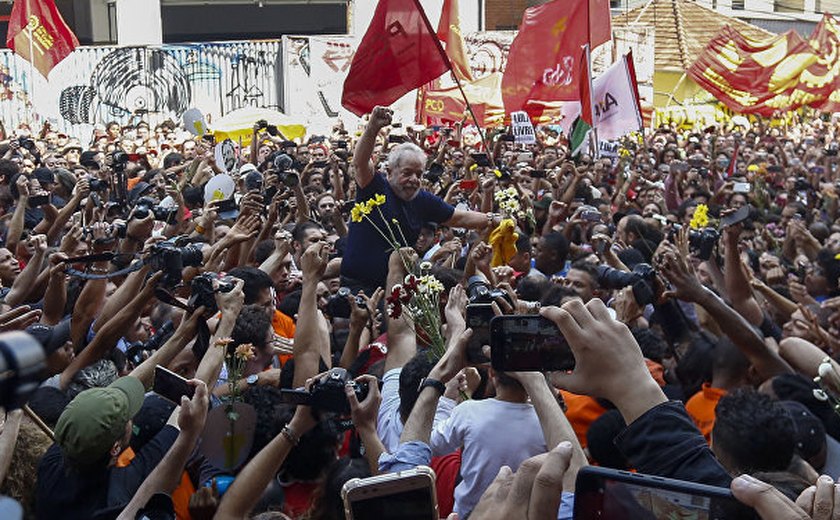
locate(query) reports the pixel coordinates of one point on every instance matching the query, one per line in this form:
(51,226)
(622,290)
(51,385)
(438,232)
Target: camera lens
(21,361)
(191,255)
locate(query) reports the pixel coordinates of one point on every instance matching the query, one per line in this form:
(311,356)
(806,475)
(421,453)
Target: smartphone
(528,343)
(525,157)
(468,184)
(478,319)
(397,139)
(406,495)
(538,174)
(481,159)
(741,187)
(40,200)
(591,215)
(737,217)
(319,164)
(606,494)
(170,385)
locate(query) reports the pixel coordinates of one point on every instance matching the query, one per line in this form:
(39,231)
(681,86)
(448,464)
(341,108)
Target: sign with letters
(523,130)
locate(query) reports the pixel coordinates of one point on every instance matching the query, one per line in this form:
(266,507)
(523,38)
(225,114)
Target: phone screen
(528,343)
(614,499)
(414,504)
(478,319)
(171,386)
(468,184)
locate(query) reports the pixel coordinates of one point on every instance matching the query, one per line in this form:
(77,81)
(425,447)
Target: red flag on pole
(600,28)
(398,53)
(542,62)
(449,32)
(37,25)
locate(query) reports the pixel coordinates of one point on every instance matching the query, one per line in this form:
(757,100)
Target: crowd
(704,337)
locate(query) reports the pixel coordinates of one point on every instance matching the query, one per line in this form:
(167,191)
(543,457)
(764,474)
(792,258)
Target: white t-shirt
(493,433)
(389,425)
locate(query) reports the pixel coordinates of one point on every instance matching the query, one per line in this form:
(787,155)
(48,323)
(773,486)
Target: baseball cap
(65,178)
(51,338)
(44,176)
(97,417)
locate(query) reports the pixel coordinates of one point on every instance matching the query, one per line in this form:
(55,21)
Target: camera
(145,205)
(326,396)
(479,291)
(831,149)
(26,143)
(289,178)
(283,162)
(135,351)
(802,185)
(22,359)
(202,292)
(338,306)
(642,280)
(703,242)
(119,159)
(170,259)
(97,185)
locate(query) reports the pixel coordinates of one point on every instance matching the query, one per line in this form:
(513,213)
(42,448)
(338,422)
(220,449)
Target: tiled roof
(683,28)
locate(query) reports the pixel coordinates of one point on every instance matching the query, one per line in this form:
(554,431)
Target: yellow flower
(244,352)
(356,213)
(378,199)
(700,219)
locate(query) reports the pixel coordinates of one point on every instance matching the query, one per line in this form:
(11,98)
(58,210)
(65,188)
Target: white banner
(616,108)
(523,130)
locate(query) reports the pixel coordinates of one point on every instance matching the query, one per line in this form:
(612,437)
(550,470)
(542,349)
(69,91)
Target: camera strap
(101,257)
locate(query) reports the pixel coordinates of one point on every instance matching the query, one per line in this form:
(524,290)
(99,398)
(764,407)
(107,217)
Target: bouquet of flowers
(418,297)
(700,219)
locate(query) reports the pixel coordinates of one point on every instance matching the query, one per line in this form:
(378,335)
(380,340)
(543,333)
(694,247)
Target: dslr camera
(170,259)
(326,396)
(339,307)
(703,242)
(642,279)
(202,292)
(479,291)
(146,205)
(135,351)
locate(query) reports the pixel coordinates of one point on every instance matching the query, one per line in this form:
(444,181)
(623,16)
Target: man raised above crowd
(365,262)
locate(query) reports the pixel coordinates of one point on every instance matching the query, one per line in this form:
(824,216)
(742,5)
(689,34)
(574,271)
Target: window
(788,6)
(738,5)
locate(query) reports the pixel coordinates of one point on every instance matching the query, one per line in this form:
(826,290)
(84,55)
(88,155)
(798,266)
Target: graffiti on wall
(100,84)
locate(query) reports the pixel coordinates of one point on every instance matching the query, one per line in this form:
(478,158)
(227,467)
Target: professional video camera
(22,359)
(642,279)
(338,306)
(171,260)
(284,165)
(326,396)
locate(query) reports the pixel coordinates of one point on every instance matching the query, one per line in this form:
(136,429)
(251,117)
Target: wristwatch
(434,383)
(252,379)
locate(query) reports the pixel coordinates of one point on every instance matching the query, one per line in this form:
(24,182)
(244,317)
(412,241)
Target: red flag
(51,39)
(398,53)
(542,62)
(600,29)
(730,170)
(449,32)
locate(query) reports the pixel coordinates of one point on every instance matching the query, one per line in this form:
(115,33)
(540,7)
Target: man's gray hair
(402,151)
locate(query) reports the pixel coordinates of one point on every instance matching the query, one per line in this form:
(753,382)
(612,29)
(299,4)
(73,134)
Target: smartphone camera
(528,343)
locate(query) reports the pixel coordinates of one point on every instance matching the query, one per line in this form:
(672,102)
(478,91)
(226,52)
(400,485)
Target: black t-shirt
(69,494)
(366,255)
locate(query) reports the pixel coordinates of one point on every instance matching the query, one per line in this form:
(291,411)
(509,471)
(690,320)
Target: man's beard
(402,193)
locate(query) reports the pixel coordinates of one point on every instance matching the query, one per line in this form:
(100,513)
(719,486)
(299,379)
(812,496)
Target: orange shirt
(582,411)
(283,326)
(180,496)
(701,408)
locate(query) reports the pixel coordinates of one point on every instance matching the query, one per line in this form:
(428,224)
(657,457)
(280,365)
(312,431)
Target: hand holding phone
(528,343)
(407,495)
(170,385)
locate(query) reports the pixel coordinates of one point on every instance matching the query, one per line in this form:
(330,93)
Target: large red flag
(600,28)
(449,32)
(51,39)
(398,53)
(542,62)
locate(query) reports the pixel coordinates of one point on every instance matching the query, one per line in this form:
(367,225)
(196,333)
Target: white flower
(825,369)
(430,284)
(425,266)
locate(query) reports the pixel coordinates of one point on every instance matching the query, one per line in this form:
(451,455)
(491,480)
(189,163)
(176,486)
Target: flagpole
(31,76)
(457,80)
